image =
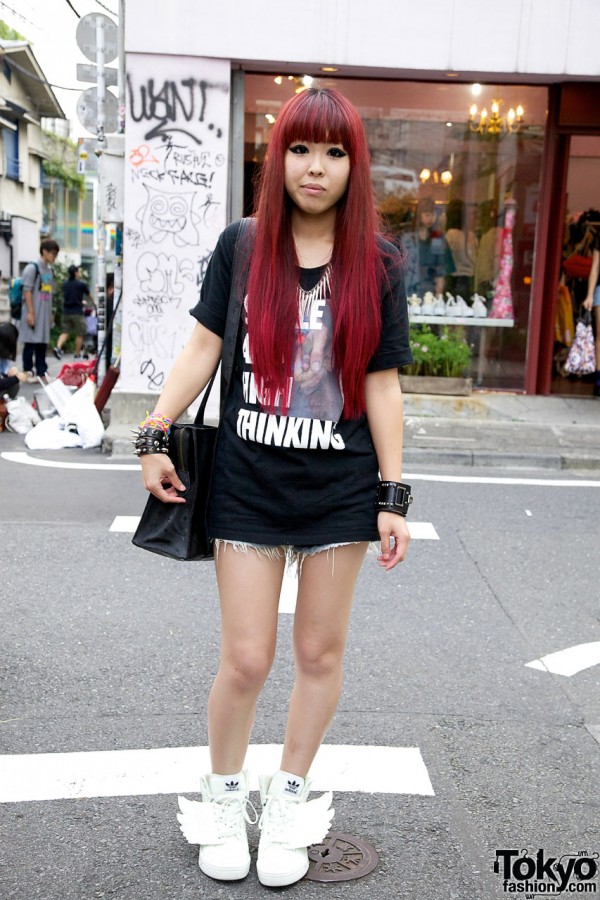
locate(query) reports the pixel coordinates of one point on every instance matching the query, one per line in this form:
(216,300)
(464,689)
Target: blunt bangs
(319,118)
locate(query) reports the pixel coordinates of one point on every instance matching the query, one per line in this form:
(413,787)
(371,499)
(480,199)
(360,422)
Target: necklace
(318,293)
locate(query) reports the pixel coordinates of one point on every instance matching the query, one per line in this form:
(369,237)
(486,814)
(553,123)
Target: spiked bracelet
(394,497)
(150,440)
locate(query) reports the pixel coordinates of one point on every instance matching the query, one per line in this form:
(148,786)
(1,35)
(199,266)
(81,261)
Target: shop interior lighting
(435,177)
(493,123)
(302,82)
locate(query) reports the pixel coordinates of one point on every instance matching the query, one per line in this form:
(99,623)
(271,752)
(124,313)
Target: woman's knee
(317,659)
(247,668)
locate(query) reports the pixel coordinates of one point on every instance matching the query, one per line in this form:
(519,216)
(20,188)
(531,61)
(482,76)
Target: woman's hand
(588,302)
(391,525)
(160,477)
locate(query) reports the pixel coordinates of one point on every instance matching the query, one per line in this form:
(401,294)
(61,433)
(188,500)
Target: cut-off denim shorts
(293,554)
(597,295)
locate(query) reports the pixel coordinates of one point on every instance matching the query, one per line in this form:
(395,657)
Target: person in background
(36,318)
(73,320)
(10,376)
(424,252)
(592,302)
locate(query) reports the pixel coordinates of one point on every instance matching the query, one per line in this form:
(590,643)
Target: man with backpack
(38,287)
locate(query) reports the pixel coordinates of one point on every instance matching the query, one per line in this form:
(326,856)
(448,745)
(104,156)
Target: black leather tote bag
(179,530)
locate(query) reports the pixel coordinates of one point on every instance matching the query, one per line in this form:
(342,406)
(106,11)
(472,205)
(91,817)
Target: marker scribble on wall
(175,204)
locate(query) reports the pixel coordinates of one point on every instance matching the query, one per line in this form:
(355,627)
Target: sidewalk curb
(121,447)
(500,459)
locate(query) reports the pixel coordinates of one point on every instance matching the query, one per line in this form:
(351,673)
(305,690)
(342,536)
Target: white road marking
(422,531)
(289,590)
(528,512)
(419,531)
(27,460)
(474,479)
(174,770)
(126,524)
(569,661)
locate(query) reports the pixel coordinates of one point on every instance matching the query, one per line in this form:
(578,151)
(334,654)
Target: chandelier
(301,82)
(493,123)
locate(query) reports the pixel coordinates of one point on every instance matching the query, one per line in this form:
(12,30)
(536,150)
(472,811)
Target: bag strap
(239,273)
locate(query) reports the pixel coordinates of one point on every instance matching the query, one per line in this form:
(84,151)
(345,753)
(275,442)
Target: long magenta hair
(319,116)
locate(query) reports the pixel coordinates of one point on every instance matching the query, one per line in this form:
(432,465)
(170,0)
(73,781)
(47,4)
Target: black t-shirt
(73,293)
(306,478)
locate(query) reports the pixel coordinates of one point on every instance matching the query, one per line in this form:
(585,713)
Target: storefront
(477,162)
(457,189)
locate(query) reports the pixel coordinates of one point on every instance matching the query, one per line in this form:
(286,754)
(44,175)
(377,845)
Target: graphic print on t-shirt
(314,396)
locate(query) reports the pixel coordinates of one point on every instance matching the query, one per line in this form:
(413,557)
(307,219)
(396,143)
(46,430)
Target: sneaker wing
(197,821)
(309,822)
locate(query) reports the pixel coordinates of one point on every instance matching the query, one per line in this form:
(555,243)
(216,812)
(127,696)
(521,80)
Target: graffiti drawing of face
(169,214)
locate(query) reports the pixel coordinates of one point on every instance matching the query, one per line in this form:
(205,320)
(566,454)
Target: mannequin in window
(487,264)
(461,250)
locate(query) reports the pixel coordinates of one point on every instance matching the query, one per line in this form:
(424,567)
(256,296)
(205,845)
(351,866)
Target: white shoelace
(228,809)
(275,817)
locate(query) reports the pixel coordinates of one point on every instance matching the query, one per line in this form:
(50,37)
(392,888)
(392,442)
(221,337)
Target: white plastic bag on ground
(51,434)
(81,412)
(58,393)
(21,416)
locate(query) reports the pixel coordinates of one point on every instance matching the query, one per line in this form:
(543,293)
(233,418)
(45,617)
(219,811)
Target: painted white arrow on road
(569,661)
(175,770)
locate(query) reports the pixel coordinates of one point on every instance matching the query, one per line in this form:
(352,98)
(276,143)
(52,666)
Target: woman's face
(316,175)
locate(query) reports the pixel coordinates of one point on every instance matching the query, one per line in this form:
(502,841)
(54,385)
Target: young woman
(10,376)
(314,412)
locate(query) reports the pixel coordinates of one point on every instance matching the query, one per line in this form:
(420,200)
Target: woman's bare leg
(249,588)
(325,591)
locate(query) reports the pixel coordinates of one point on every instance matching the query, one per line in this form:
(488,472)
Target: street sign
(86,37)
(87,111)
(88,73)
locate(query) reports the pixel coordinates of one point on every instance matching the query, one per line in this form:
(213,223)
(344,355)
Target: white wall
(558,38)
(175,205)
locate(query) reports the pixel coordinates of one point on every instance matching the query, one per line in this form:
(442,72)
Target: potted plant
(441,362)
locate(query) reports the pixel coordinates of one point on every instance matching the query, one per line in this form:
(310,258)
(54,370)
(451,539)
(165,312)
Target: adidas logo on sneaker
(232,785)
(292,787)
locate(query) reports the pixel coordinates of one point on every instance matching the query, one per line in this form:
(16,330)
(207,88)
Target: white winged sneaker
(218,824)
(288,826)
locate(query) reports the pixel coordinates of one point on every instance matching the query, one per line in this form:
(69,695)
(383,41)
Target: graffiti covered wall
(175,204)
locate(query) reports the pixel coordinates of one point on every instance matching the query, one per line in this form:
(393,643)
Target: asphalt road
(106,648)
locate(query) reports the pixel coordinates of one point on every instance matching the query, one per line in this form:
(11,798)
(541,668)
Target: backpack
(15,294)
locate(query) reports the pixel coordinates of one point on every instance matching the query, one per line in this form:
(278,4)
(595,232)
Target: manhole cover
(341,857)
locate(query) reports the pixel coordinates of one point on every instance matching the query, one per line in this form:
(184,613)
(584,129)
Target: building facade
(25,98)
(492,122)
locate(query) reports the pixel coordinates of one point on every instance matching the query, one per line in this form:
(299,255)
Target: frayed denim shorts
(293,554)
(597,295)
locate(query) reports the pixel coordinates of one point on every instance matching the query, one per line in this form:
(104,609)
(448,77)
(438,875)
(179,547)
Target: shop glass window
(456,191)
(11,145)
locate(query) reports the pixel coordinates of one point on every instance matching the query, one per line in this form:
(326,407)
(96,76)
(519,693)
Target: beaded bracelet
(157,420)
